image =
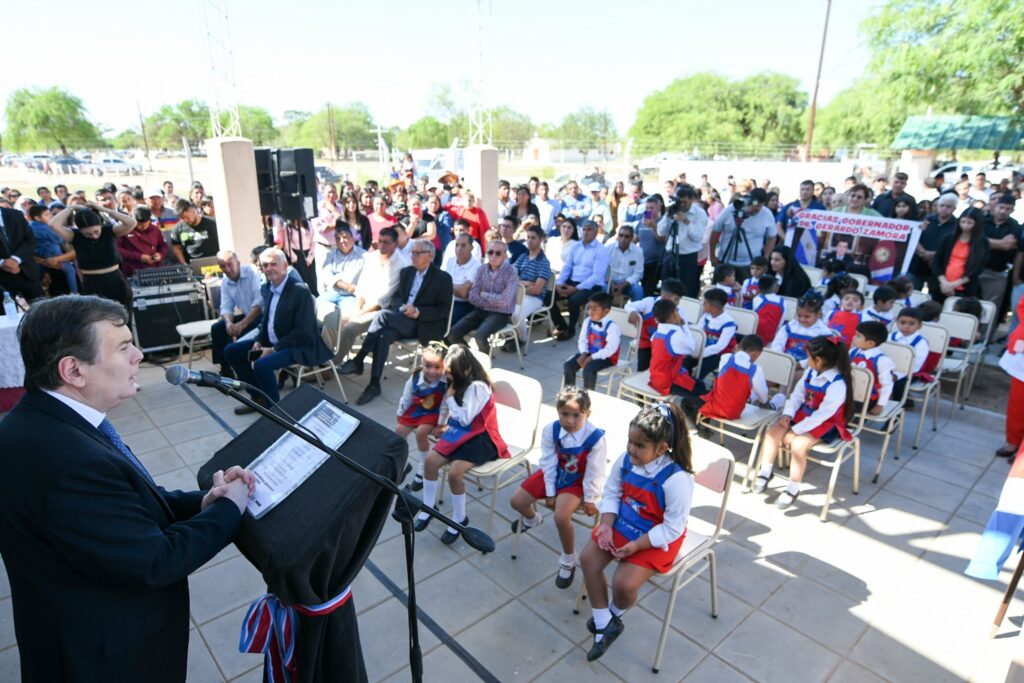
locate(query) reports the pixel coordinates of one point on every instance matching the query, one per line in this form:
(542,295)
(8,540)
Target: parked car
(117,166)
(325,174)
(70,164)
(993,173)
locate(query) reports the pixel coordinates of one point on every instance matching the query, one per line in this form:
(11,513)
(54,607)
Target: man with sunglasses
(493,296)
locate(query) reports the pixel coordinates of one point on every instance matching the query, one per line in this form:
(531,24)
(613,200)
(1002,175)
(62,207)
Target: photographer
(684,233)
(744,229)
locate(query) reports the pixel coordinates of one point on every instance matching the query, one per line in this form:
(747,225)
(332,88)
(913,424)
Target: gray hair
(226,255)
(275,254)
(425,245)
(947,198)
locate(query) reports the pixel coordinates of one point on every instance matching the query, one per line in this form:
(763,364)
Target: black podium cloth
(311,546)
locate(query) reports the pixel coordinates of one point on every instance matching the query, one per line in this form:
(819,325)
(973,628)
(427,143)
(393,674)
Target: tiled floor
(877,593)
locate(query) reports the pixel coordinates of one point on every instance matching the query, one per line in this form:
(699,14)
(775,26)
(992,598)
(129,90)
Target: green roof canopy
(960,132)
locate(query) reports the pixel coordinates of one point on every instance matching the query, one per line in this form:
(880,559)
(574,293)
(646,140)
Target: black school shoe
(417,483)
(448,537)
(608,635)
(567,581)
(761,483)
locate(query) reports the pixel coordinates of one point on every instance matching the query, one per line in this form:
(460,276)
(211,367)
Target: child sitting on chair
(642,313)
(845,319)
(598,343)
(817,410)
(770,308)
(724,279)
(793,336)
(884,299)
(671,346)
(904,288)
(740,381)
(908,331)
(720,330)
(644,512)
(419,409)
(751,286)
(470,436)
(571,473)
(870,336)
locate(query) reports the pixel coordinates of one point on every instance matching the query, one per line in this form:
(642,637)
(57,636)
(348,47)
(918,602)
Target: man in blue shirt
(240,306)
(577,205)
(585,271)
(788,217)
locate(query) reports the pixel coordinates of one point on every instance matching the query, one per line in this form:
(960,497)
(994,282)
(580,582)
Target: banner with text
(879,248)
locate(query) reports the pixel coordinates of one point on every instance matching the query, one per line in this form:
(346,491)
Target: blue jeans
(635,292)
(262,373)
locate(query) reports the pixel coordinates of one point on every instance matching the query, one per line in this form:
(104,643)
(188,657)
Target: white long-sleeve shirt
(835,399)
(406,400)
(682,342)
(917,342)
(722,323)
(871,313)
(886,370)
(473,401)
(646,305)
(678,498)
(597,461)
(758,383)
(818,329)
(830,304)
(611,340)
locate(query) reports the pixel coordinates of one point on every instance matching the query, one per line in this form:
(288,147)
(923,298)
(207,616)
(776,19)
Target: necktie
(108,430)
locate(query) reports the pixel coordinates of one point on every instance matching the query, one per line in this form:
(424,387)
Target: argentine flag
(1005,528)
(806,251)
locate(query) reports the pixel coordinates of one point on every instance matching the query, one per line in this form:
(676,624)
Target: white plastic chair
(510,331)
(692,309)
(542,314)
(779,369)
(627,349)
(713,470)
(840,451)
(893,413)
(962,327)
(746,321)
(917,298)
(976,353)
(938,341)
(788,309)
(299,371)
(194,335)
(637,387)
(861,280)
(814,274)
(517,400)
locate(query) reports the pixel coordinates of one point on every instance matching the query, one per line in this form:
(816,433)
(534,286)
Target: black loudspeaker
(296,183)
(266,180)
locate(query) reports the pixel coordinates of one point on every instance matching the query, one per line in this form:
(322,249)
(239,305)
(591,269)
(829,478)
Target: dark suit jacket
(98,558)
(434,301)
(22,241)
(294,323)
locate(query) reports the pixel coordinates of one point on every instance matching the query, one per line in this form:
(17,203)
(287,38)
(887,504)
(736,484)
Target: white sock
(458,508)
(613,608)
(423,459)
(429,496)
(765,472)
(530,522)
(793,488)
(602,617)
(566,561)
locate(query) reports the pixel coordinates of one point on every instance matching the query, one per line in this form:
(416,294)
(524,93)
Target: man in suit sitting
(288,332)
(420,310)
(98,555)
(19,273)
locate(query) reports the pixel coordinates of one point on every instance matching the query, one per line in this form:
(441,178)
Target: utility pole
(817,80)
(330,132)
(145,140)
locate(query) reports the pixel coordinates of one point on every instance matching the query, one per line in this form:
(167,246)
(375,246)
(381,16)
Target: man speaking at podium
(98,555)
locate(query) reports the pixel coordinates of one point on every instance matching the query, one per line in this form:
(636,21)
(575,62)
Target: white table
(12,370)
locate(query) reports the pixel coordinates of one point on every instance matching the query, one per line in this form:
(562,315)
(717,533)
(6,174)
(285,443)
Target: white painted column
(236,198)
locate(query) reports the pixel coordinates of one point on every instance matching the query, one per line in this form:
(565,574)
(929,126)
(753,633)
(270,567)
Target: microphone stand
(406,507)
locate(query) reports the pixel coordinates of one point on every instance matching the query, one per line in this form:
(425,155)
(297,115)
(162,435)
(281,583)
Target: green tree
(129,138)
(868,111)
(964,57)
(586,129)
(424,132)
(257,124)
(189,119)
(49,119)
(353,129)
(511,129)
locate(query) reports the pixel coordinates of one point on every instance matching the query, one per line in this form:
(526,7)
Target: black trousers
(651,277)
(219,337)
(22,284)
(685,268)
(387,328)
(571,367)
(576,302)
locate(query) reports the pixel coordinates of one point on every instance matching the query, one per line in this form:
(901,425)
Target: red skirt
(534,485)
(428,419)
(652,558)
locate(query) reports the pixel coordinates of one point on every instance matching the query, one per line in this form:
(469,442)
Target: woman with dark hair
(961,258)
(357,219)
(443,223)
(557,250)
(95,244)
(523,206)
(795,282)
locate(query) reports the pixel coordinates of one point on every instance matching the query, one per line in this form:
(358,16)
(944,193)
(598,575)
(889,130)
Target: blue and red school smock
(813,397)
(426,403)
(731,391)
(572,465)
(667,365)
(458,434)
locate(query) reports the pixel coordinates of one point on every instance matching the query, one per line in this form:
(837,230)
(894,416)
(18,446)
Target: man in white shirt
(239,291)
(378,282)
(737,247)
(684,237)
(625,265)
(462,267)
(338,278)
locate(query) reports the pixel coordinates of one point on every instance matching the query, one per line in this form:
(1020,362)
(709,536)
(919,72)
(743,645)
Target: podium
(311,546)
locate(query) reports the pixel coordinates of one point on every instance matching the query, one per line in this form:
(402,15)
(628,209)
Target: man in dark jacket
(288,332)
(98,555)
(421,310)
(19,273)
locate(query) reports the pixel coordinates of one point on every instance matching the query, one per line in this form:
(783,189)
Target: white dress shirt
(719,323)
(461,273)
(611,341)
(678,498)
(689,236)
(242,294)
(275,297)
(625,266)
(378,281)
(917,342)
(597,460)
(87,413)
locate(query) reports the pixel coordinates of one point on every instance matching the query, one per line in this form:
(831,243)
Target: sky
(545,58)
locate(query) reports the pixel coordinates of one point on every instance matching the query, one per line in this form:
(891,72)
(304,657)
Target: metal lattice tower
(223,104)
(481,129)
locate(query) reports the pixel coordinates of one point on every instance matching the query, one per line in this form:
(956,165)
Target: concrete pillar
(233,186)
(917,164)
(481,177)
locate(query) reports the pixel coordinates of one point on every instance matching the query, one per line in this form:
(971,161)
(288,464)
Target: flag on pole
(806,251)
(883,261)
(1005,527)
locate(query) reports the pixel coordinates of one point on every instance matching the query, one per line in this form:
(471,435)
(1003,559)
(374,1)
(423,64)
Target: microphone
(179,375)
